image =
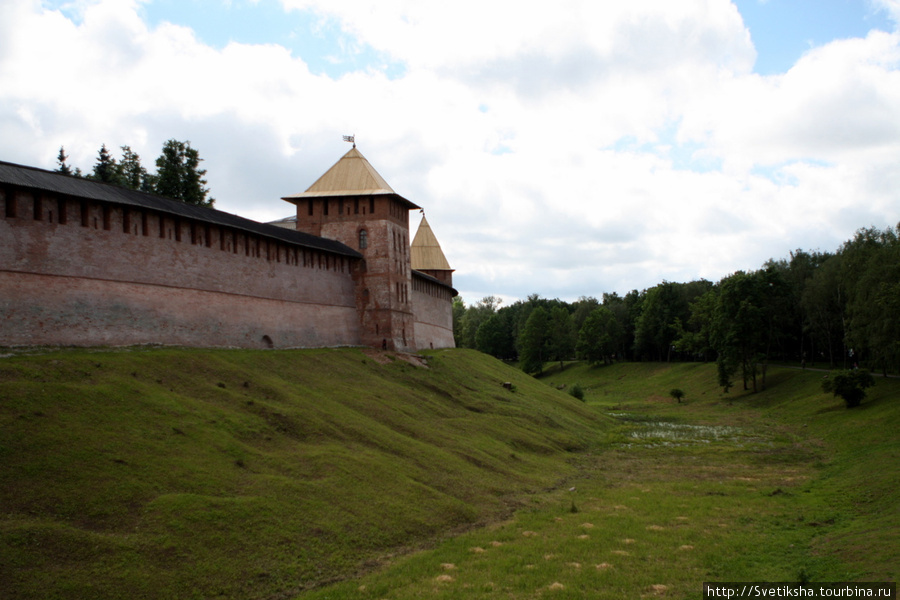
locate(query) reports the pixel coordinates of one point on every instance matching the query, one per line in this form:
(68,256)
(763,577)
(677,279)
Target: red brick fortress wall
(432,306)
(85,272)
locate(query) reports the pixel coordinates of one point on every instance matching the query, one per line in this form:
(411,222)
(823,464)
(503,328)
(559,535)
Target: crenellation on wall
(107,249)
(85,263)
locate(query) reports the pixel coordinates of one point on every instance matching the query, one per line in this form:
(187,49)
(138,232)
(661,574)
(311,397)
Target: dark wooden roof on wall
(77,187)
(434,280)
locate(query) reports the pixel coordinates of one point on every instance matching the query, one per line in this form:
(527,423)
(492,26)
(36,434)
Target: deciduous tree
(850,385)
(871,275)
(561,342)
(493,337)
(533,341)
(475,315)
(597,337)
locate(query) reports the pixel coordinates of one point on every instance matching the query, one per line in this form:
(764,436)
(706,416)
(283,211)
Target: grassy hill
(331,474)
(174,473)
(845,462)
(781,486)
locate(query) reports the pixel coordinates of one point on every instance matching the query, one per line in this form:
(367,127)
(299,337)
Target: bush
(577,392)
(849,385)
(677,394)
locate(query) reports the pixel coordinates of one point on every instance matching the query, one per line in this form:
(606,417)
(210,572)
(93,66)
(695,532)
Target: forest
(178,174)
(818,309)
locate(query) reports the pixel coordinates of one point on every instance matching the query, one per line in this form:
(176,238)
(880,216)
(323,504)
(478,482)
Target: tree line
(178,173)
(839,309)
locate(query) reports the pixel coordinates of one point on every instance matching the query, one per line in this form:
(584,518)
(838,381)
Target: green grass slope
(174,473)
(848,459)
(781,486)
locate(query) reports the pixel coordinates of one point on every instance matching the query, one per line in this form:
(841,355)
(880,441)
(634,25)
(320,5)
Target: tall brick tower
(352,203)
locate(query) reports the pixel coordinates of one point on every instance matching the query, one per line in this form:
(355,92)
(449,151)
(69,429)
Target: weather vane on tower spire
(351,138)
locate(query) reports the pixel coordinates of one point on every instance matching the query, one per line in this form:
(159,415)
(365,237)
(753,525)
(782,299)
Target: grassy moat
(172,473)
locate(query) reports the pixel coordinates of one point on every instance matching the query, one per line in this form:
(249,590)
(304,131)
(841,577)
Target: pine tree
(131,173)
(105,169)
(179,175)
(64,168)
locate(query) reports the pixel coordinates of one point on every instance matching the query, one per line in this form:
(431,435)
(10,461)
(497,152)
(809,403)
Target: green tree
(632,303)
(517,314)
(131,173)
(533,341)
(736,329)
(597,339)
(459,314)
(850,385)
(663,309)
(584,306)
(61,159)
(824,302)
(179,176)
(626,311)
(695,339)
(493,337)
(871,274)
(797,274)
(747,324)
(561,342)
(475,315)
(105,169)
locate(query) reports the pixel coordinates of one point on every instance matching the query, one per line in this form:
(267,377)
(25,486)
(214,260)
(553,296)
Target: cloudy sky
(565,149)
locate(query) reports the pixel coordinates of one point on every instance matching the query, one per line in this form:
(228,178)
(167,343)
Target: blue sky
(782,30)
(318,39)
(564,149)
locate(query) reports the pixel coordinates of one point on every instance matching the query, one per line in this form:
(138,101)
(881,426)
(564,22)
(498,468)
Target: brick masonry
(77,271)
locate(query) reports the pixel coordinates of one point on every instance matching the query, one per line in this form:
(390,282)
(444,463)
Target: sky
(564,149)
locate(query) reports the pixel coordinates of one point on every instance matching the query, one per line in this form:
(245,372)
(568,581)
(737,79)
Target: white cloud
(892,7)
(838,101)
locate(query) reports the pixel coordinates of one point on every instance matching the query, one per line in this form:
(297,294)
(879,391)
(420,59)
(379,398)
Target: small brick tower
(351,203)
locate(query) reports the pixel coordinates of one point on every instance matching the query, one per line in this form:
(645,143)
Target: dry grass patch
(556,586)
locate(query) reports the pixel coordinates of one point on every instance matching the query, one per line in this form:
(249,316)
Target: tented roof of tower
(425,254)
(352,175)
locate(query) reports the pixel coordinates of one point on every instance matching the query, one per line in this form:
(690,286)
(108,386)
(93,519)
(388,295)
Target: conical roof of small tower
(425,254)
(352,175)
